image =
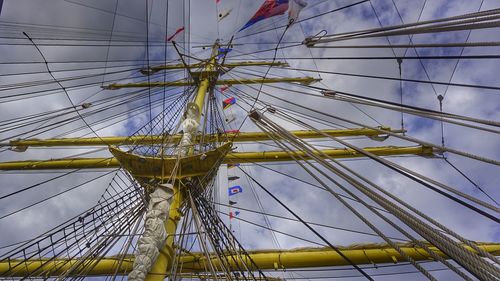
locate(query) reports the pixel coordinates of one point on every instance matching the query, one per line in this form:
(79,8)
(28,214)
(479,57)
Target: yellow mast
(232,157)
(374,253)
(154,69)
(301,80)
(23,144)
(197,262)
(160,268)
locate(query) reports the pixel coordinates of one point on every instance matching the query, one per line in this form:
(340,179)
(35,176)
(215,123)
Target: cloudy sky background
(200,18)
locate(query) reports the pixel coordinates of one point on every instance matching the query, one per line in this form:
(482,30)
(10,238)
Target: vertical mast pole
(190,124)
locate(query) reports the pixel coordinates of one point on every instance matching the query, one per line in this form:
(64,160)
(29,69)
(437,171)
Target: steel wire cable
(306,19)
(276,132)
(140,95)
(55,195)
(210,123)
(471,263)
(383,131)
(311,223)
(417,26)
(447,230)
(50,127)
(462,194)
(313,230)
(411,109)
(352,182)
(413,174)
(62,238)
(68,223)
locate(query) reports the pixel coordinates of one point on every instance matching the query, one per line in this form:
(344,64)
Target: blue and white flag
(234,190)
(223,52)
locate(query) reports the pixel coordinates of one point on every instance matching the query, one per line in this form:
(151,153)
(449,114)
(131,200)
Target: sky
(202,27)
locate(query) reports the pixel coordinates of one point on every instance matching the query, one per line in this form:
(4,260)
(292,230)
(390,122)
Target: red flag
(269,8)
(228,102)
(233,215)
(224,88)
(176,32)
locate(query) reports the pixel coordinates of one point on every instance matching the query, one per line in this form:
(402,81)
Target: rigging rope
(469,260)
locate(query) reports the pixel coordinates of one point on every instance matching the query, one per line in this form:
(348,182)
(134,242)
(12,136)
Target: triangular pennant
(224,88)
(181,29)
(269,8)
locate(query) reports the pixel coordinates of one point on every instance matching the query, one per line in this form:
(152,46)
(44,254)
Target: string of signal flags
(268,9)
(232,191)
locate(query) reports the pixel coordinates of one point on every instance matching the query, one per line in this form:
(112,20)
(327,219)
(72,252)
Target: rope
(470,261)
(310,228)
(284,134)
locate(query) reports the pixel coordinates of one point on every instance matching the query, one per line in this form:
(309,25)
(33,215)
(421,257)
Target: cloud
(311,203)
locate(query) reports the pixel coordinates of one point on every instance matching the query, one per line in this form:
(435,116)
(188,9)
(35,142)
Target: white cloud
(310,203)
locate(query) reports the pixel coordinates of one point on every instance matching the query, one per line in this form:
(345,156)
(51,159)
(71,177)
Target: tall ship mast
(249,140)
